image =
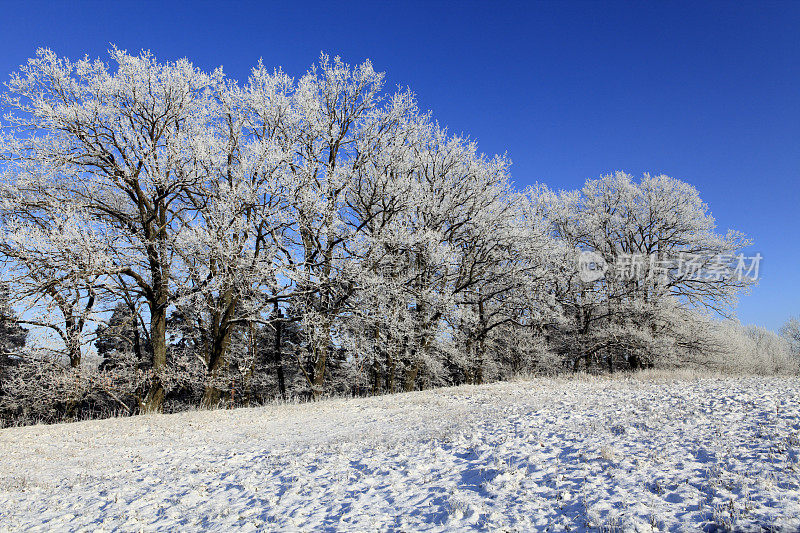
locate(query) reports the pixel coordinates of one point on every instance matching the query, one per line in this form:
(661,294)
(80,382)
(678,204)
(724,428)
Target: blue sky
(705,92)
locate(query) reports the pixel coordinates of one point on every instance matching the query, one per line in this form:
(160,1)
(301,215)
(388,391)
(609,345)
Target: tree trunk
(73,342)
(480,346)
(319,370)
(321,348)
(277,355)
(469,371)
(375,367)
(154,400)
(390,371)
(216,363)
(376,378)
(411,378)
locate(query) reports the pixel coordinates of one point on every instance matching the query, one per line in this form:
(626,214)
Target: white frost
(579,454)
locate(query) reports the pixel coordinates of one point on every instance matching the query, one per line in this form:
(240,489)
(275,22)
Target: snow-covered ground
(583,454)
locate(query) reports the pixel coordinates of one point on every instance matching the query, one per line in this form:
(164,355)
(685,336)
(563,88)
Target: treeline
(185,239)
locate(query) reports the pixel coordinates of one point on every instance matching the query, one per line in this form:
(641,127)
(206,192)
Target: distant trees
(791,332)
(12,334)
(224,242)
(121,336)
(747,349)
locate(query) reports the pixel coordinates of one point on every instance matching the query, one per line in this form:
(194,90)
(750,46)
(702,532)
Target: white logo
(591,266)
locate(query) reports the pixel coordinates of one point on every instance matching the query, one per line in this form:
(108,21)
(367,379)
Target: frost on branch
(217,242)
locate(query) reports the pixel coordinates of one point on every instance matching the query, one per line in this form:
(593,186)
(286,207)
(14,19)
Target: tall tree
(117,145)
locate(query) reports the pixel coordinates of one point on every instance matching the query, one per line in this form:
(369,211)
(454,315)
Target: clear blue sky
(705,92)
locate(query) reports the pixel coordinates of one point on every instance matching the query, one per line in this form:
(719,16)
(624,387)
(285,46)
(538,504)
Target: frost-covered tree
(235,228)
(115,144)
(121,336)
(655,222)
(234,242)
(336,119)
(12,334)
(55,259)
(791,331)
(743,349)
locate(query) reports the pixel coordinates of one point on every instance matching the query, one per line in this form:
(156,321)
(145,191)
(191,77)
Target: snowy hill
(584,454)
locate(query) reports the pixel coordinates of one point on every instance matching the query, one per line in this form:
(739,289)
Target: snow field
(585,454)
